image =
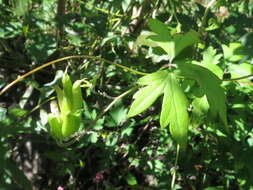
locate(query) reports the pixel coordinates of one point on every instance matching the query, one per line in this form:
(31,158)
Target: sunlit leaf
(153,78)
(199,111)
(174,106)
(144,98)
(233,52)
(131,179)
(171,44)
(174,110)
(210,61)
(185,40)
(159,28)
(211,86)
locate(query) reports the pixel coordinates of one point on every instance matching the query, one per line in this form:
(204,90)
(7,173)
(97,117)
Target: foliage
(188,125)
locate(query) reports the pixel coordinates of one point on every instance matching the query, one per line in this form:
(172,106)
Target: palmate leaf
(174,106)
(211,86)
(171,44)
(146,96)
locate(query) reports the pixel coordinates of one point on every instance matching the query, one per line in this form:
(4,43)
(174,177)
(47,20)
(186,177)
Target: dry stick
(63,59)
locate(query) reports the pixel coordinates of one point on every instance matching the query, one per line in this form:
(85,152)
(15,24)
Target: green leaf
(93,138)
(174,107)
(174,110)
(144,39)
(17,112)
(144,98)
(119,115)
(233,52)
(215,188)
(199,111)
(239,70)
(77,98)
(131,179)
(159,28)
(153,78)
(185,40)
(67,86)
(210,61)
(171,44)
(21,7)
(211,86)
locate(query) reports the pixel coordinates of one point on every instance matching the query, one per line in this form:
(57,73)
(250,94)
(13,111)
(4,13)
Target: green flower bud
(71,123)
(67,86)
(70,102)
(55,126)
(77,96)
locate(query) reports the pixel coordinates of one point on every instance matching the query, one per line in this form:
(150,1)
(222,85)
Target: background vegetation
(118,152)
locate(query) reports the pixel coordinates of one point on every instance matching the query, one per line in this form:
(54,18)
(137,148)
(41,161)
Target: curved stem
(175,169)
(239,78)
(67,58)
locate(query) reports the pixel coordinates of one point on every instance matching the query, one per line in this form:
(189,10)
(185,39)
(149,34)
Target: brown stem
(61,6)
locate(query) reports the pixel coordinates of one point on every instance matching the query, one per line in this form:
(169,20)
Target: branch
(67,58)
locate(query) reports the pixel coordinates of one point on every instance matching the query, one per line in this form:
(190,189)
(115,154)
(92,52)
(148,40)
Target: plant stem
(174,10)
(175,169)
(64,59)
(202,25)
(239,78)
(61,7)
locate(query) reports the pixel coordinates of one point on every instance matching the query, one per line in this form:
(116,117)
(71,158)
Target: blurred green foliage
(119,152)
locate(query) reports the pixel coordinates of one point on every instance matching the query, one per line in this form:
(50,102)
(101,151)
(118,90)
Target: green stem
(174,10)
(64,59)
(175,169)
(202,25)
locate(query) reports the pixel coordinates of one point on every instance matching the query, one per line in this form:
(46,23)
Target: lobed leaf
(144,98)
(174,106)
(156,77)
(173,45)
(159,27)
(211,86)
(174,110)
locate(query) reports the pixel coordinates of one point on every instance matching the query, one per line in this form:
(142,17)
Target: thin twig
(239,78)
(64,59)
(175,169)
